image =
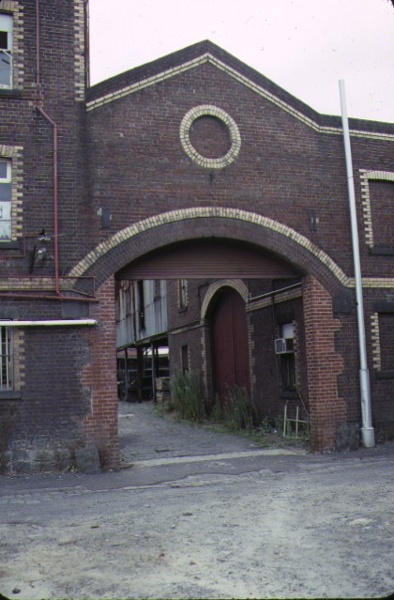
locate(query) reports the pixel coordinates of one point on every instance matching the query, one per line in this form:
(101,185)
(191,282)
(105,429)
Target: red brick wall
(327,409)
(127,156)
(99,379)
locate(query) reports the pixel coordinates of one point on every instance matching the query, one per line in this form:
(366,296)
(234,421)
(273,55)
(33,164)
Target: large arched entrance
(216,244)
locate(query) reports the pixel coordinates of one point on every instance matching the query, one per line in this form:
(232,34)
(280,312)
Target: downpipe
(367,431)
(54,126)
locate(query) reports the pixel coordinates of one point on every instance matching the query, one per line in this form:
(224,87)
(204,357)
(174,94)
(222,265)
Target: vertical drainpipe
(367,431)
(55,159)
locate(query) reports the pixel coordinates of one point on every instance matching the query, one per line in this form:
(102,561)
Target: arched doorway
(159,246)
(229,340)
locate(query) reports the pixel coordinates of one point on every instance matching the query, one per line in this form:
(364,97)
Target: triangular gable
(196,55)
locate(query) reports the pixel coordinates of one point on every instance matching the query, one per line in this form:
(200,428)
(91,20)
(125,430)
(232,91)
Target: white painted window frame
(7,25)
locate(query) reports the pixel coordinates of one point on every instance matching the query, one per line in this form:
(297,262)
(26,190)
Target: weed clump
(186,395)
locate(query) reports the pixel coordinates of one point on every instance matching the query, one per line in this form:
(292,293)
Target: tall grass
(238,411)
(186,395)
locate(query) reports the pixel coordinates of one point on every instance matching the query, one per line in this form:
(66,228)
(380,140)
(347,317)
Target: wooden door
(229,344)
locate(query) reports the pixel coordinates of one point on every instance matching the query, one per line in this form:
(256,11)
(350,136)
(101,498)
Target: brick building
(136,178)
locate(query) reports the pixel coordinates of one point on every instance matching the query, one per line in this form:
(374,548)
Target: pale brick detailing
(235,136)
(15,154)
(237,284)
(385,283)
(34,283)
(375,337)
(14,7)
(366,177)
(28,284)
(327,410)
(80,49)
(207,212)
(208,58)
(227,213)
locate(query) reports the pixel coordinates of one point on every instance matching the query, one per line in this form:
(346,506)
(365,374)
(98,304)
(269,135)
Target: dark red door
(229,344)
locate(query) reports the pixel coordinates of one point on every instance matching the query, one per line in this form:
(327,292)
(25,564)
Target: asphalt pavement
(197,513)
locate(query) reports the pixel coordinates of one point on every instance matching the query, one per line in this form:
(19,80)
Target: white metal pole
(367,431)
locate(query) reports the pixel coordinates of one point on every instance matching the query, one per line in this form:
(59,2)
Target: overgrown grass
(186,395)
(6,424)
(238,411)
(187,401)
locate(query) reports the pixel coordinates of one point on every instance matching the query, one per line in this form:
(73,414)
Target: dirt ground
(199,514)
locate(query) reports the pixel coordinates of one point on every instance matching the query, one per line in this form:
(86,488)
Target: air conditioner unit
(284,345)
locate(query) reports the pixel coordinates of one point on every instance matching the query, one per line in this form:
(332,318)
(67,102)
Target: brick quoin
(99,378)
(327,410)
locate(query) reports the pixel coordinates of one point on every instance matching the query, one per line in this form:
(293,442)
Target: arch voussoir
(171,227)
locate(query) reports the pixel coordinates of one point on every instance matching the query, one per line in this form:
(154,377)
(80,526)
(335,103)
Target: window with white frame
(6,359)
(5,199)
(6,27)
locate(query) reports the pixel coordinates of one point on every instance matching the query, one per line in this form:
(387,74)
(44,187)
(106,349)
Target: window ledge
(381,251)
(10,395)
(385,374)
(9,245)
(383,307)
(10,93)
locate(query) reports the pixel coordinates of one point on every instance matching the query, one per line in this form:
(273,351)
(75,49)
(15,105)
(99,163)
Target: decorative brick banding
(218,113)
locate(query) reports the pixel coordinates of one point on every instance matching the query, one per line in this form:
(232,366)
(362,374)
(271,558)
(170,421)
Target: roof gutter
(367,431)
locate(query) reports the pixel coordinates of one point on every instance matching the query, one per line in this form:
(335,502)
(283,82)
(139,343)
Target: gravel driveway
(199,514)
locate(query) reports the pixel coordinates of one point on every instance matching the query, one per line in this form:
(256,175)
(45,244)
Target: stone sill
(376,251)
(10,395)
(384,374)
(9,245)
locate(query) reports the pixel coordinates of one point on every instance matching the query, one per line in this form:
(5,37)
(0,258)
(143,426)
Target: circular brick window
(210,137)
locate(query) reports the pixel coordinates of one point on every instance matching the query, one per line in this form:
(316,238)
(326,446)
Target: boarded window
(382,207)
(386,329)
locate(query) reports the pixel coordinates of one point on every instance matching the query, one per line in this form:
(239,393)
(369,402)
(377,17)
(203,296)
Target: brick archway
(167,228)
(322,278)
